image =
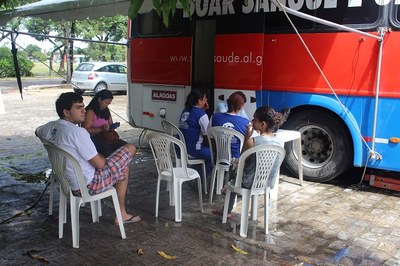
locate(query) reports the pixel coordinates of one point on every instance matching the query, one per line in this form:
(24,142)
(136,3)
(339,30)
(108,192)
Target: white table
(295,136)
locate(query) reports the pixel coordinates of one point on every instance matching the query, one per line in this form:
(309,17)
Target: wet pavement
(317,224)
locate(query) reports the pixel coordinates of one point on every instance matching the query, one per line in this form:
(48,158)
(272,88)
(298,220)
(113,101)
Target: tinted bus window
(150,24)
(365,16)
(395,16)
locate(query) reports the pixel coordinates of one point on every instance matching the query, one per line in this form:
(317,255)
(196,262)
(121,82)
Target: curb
(50,86)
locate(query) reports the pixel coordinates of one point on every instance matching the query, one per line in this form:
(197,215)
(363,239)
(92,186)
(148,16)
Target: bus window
(366,16)
(395,16)
(150,24)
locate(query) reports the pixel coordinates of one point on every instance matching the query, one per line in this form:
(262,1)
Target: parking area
(317,224)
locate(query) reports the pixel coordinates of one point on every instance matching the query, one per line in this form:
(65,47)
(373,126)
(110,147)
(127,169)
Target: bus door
(203,58)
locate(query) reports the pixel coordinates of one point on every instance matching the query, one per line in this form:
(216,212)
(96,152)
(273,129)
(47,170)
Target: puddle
(30,177)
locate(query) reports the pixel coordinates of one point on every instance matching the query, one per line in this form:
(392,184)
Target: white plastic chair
(58,159)
(161,144)
(172,130)
(267,157)
(222,138)
(53,178)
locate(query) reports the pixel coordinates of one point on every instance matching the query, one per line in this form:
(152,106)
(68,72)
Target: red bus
(338,74)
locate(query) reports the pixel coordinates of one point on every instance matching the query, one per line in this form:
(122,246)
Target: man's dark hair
(65,102)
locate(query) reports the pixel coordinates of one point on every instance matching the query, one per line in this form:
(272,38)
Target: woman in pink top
(98,120)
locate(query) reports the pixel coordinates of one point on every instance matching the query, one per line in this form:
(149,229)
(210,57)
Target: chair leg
(204,178)
(99,211)
(117,209)
(158,196)
(51,196)
(200,194)
(226,205)
(171,193)
(220,181)
(245,213)
(214,173)
(62,213)
(254,207)
(75,203)
(95,211)
(178,200)
(266,209)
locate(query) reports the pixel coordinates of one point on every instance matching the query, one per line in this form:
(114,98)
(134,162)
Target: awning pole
(373,153)
(14,51)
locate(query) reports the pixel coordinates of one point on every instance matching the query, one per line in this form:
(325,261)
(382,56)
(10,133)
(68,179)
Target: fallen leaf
(31,254)
(140,251)
(166,256)
(238,250)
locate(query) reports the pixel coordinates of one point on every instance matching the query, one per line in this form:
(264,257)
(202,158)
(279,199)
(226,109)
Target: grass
(41,70)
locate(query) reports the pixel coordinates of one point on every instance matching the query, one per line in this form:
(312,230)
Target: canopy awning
(72,9)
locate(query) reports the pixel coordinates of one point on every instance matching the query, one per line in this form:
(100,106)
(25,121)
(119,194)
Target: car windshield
(85,67)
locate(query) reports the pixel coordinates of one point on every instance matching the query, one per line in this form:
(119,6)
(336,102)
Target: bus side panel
(361,109)
(161,60)
(387,127)
(238,61)
(160,80)
(348,61)
(390,78)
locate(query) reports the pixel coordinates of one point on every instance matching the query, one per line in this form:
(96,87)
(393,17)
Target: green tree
(45,27)
(7,63)
(106,29)
(39,56)
(31,48)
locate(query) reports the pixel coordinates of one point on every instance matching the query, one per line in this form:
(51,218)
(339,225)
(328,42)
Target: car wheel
(99,87)
(325,145)
(79,91)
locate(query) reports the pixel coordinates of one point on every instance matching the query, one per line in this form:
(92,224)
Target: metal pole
(373,153)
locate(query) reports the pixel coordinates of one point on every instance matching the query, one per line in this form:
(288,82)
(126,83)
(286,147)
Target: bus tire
(325,144)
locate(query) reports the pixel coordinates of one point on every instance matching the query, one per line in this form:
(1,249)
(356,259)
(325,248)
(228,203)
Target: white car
(97,76)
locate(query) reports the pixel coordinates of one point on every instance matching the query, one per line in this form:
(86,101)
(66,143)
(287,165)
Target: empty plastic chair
(161,144)
(172,130)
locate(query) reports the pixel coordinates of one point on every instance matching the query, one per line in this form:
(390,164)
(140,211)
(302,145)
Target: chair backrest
(58,159)
(172,130)
(160,145)
(268,159)
(222,138)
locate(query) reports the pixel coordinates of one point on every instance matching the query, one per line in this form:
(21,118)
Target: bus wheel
(325,145)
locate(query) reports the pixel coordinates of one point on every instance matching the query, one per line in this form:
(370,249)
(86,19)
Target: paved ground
(318,224)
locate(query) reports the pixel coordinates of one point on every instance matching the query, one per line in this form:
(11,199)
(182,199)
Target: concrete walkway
(318,224)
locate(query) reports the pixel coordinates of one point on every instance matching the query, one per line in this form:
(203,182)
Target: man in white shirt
(100,173)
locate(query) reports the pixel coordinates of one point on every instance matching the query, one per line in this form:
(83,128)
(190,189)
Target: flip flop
(132,219)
